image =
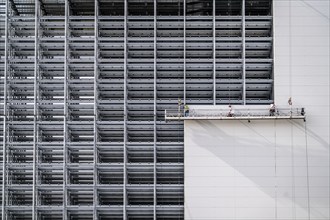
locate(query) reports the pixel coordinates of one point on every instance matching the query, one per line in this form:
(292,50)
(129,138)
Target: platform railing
(227,113)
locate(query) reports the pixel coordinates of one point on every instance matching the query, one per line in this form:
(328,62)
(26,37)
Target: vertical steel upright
(4,143)
(214,54)
(184,52)
(65,107)
(243,54)
(125,111)
(95,113)
(155,113)
(35,108)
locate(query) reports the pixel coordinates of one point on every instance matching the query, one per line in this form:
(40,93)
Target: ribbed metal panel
(84,88)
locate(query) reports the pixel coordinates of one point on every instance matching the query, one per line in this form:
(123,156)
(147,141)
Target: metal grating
(83,98)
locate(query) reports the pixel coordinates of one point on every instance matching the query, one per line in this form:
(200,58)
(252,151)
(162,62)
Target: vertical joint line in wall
(155,111)
(275,169)
(184,52)
(214,54)
(293,176)
(235,172)
(65,135)
(35,131)
(95,196)
(243,54)
(290,52)
(292,147)
(307,171)
(4,145)
(125,111)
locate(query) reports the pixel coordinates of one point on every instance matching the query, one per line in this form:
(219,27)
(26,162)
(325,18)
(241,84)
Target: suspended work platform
(236,112)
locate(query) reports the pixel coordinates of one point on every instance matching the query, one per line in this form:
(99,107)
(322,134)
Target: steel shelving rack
(84,88)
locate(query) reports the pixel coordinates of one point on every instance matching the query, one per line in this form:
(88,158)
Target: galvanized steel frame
(108,108)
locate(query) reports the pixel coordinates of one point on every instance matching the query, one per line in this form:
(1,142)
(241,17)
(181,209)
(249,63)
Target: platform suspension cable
(293,176)
(307,172)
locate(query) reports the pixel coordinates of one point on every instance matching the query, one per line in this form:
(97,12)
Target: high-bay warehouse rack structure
(84,89)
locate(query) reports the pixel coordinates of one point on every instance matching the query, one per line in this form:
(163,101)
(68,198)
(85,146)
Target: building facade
(85,85)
